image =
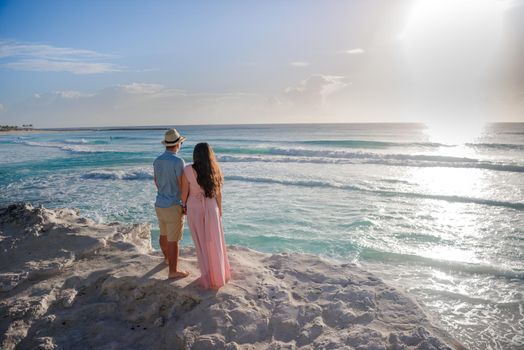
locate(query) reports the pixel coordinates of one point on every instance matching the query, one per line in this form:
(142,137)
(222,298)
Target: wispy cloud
(72,94)
(150,90)
(10,48)
(142,88)
(315,90)
(42,65)
(46,58)
(357,51)
(130,103)
(300,64)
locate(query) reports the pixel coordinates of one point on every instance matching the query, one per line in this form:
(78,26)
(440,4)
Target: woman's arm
(219,201)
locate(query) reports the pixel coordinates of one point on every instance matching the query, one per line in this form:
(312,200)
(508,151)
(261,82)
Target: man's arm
(179,181)
(154,174)
(179,172)
(184,192)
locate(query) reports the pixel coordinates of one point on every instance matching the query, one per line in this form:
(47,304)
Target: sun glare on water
(454,133)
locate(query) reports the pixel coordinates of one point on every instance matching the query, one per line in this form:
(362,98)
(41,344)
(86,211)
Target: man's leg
(173,238)
(163,247)
(163,232)
(172,253)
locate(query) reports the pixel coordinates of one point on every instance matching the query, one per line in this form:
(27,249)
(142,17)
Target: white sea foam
(364,155)
(329,184)
(380,159)
(445,265)
(65,147)
(76,141)
(147,174)
(133,174)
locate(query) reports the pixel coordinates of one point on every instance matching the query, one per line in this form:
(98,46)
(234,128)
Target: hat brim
(180,140)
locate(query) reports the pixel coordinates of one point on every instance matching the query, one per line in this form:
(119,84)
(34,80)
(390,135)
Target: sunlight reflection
(454,133)
(450,181)
(448,253)
(442,276)
(455,221)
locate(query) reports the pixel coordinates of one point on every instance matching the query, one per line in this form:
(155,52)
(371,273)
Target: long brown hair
(209,176)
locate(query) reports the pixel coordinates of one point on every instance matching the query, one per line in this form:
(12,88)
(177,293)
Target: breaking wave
(371,158)
(75,148)
(138,174)
(319,183)
(446,265)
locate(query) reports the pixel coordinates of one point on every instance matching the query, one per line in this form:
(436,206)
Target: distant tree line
(16,127)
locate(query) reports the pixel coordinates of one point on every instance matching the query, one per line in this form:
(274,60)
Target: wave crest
(390,160)
(318,183)
(80,148)
(139,174)
(445,265)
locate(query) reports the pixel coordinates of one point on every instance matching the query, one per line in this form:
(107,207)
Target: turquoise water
(441,218)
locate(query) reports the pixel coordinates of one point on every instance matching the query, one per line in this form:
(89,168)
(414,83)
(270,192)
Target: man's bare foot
(178,274)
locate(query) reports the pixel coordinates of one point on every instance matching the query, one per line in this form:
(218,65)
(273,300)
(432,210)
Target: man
(168,170)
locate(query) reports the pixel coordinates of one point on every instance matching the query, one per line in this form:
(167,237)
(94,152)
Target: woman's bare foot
(178,274)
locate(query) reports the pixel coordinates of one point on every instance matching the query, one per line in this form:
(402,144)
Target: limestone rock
(69,283)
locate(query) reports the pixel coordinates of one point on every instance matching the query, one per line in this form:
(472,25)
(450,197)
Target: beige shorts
(171,222)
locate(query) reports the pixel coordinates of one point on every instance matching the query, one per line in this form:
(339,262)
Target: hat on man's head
(172,137)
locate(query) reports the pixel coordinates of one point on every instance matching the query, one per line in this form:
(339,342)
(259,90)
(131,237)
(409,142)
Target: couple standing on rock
(193,190)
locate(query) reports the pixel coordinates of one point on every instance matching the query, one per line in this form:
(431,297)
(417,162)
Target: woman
(201,193)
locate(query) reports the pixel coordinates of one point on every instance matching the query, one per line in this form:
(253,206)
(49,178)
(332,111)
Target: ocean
(437,212)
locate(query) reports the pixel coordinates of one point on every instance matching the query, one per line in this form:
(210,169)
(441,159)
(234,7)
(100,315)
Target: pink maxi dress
(205,224)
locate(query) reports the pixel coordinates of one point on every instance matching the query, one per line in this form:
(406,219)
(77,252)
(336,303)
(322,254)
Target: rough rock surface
(69,283)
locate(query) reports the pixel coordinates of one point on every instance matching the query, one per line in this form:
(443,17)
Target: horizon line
(163,126)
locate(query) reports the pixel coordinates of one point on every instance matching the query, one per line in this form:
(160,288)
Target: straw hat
(172,137)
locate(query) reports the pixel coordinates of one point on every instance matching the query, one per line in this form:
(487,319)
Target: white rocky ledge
(69,283)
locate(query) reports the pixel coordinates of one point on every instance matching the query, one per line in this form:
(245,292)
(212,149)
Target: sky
(111,63)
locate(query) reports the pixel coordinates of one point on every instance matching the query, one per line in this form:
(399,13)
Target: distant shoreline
(38,131)
(21,132)
(165,127)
